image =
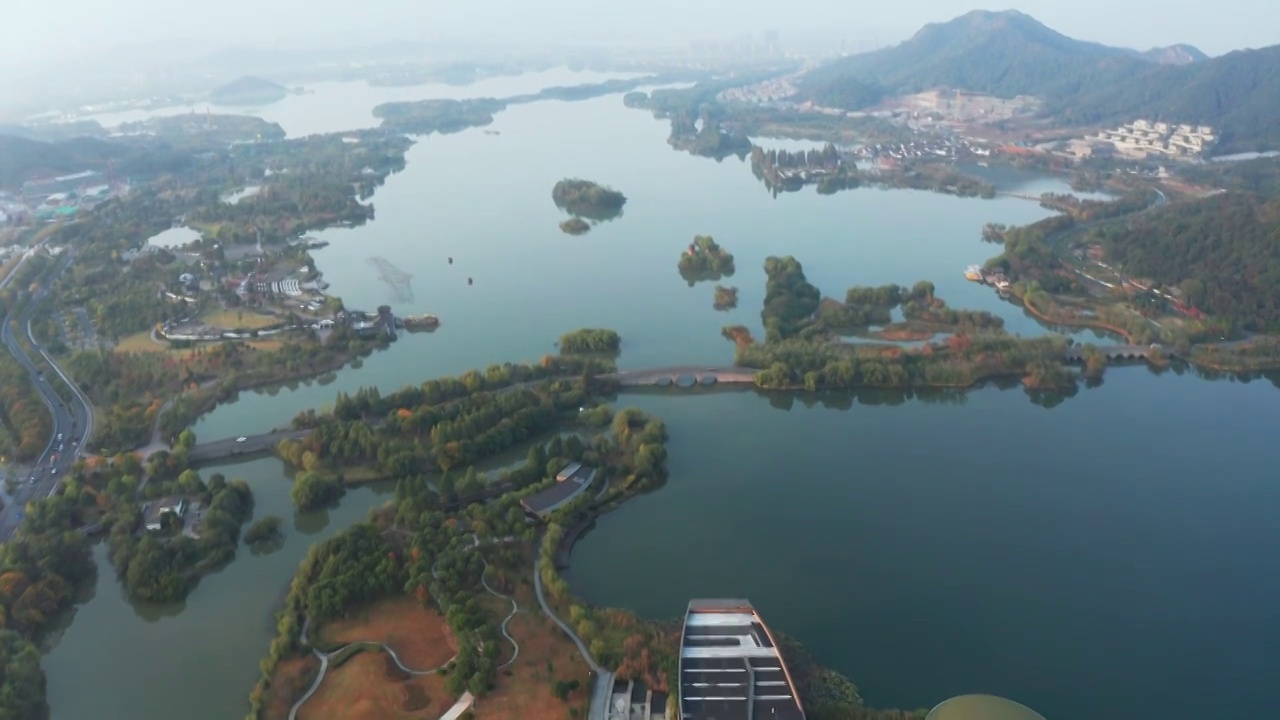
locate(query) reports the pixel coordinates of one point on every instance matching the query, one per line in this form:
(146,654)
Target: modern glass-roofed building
(730,668)
(982,707)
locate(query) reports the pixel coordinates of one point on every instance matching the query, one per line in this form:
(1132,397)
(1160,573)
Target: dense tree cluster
(25,423)
(1219,251)
(590,340)
(726,298)
(704,259)
(961,362)
(790,300)
(424,438)
(41,570)
(350,570)
(163,566)
(312,490)
(583,198)
(264,530)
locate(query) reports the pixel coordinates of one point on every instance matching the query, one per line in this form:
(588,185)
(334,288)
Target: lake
(1094,560)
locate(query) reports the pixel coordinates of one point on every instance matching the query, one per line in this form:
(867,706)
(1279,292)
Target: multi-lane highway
(72,421)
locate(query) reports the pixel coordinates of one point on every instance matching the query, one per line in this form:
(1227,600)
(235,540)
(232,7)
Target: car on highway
(59,436)
(241,438)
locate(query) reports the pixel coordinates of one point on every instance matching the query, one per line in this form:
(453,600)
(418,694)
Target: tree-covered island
(586,199)
(575,226)
(703,260)
(726,298)
(590,340)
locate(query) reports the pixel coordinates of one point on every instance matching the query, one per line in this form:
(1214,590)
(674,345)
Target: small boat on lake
(974,273)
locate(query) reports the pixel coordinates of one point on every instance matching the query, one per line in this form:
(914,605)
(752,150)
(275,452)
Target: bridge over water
(679,375)
(702,374)
(1076,353)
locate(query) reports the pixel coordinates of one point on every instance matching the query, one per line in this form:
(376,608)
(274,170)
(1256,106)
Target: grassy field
(419,636)
(546,655)
(370,687)
(141,342)
(237,319)
(291,679)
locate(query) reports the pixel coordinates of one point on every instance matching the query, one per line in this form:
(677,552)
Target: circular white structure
(981,707)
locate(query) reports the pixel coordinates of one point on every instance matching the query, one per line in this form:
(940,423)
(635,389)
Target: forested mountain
(1003,53)
(248,91)
(1009,53)
(1223,252)
(22,159)
(1237,93)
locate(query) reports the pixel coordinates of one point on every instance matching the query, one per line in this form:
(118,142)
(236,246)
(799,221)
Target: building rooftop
(730,668)
(156,508)
(982,707)
(570,482)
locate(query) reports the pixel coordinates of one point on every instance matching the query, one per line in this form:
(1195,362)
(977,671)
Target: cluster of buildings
(961,106)
(1144,139)
(769,91)
(61,196)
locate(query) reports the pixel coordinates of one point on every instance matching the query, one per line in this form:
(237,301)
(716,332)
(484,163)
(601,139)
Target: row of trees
(369,402)
(25,423)
(961,362)
(590,340)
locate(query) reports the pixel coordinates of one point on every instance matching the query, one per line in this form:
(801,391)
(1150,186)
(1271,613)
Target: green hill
(23,159)
(1220,250)
(1009,53)
(1238,94)
(1002,53)
(248,90)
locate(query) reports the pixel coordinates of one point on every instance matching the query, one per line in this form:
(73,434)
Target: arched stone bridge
(1076,353)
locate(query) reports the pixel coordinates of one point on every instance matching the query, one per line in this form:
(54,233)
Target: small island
(705,260)
(575,226)
(248,91)
(590,340)
(264,532)
(586,199)
(726,298)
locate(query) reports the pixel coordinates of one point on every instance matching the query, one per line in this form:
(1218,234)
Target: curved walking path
(603,678)
(514,609)
(326,656)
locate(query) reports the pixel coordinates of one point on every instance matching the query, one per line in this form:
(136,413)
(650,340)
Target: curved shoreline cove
(935,544)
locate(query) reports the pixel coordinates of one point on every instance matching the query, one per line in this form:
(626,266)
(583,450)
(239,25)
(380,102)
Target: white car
(241,438)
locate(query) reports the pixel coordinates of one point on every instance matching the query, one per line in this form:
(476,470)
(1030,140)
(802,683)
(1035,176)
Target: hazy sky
(32,31)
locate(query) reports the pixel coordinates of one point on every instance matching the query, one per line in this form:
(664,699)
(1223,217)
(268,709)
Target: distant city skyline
(36,33)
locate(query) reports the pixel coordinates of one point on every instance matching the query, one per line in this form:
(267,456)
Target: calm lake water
(1106,558)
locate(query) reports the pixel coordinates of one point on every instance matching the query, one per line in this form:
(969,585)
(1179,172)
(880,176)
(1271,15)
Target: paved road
(230,447)
(72,422)
(652,376)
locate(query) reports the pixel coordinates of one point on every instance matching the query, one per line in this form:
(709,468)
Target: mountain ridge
(1009,53)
